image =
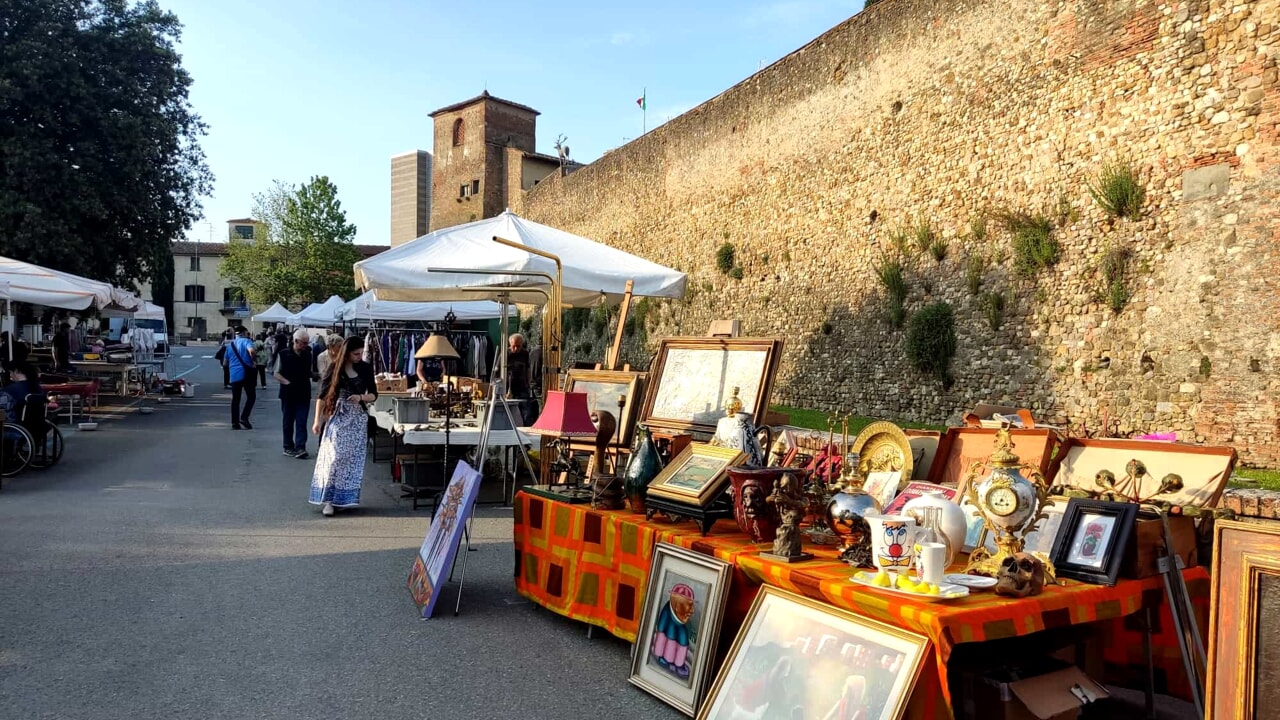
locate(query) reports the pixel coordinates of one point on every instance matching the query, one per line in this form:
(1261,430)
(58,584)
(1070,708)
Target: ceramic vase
(642,467)
(756,517)
(952,521)
(892,539)
(738,432)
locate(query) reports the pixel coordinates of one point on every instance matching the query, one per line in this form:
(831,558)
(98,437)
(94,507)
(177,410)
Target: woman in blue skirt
(342,411)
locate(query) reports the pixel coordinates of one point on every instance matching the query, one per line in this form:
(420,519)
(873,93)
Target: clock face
(1001,501)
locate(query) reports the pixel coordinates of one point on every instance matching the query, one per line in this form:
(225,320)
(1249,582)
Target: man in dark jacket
(293,372)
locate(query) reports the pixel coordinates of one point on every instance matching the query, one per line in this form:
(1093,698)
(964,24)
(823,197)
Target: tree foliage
(302,251)
(99,163)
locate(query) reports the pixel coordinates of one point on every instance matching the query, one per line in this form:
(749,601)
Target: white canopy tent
(149,311)
(52,288)
(277,313)
(319,314)
(369,307)
(589,269)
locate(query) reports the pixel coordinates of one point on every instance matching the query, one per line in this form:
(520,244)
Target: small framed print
(680,625)
(697,474)
(1092,540)
(883,486)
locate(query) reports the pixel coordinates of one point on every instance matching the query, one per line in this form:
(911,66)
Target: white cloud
(796,12)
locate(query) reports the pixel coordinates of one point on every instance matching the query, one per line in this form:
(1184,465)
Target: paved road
(172,568)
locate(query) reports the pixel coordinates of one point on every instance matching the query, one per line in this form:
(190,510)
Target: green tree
(302,251)
(98,141)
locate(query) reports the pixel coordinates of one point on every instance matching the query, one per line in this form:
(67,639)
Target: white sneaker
(327,510)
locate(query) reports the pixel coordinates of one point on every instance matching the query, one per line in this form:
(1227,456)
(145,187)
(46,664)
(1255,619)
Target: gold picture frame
(697,474)
(789,648)
(691,379)
(603,388)
(1244,663)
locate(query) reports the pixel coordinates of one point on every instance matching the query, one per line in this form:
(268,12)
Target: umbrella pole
(551,326)
(611,360)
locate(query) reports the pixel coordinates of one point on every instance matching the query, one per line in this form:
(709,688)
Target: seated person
(13,398)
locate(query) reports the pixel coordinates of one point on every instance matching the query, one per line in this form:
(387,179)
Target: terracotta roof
(243,220)
(368,251)
(482,96)
(204,248)
(550,158)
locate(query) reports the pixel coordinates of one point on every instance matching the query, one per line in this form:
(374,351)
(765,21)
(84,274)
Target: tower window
(475,187)
(459,132)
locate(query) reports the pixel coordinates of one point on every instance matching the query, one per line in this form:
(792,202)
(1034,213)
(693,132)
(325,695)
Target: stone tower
(473,141)
(410,196)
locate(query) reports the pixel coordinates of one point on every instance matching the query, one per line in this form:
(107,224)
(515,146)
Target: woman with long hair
(346,389)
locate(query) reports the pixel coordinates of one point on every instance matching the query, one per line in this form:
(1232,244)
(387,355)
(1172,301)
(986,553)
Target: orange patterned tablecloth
(592,566)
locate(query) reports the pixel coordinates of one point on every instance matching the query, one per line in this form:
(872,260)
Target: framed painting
(697,474)
(913,491)
(435,558)
(1092,540)
(680,625)
(799,658)
(692,378)
(603,388)
(960,447)
(1243,672)
(1139,467)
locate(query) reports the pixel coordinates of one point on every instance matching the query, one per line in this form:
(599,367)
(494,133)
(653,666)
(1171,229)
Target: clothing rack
(391,350)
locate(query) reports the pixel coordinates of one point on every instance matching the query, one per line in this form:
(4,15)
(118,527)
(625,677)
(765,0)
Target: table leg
(1149,689)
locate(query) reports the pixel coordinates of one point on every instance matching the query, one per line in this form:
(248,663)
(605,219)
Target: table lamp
(437,347)
(565,416)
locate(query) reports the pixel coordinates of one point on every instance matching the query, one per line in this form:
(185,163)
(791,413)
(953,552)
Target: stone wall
(946,112)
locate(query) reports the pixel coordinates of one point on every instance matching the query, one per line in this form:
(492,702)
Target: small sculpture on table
(789,498)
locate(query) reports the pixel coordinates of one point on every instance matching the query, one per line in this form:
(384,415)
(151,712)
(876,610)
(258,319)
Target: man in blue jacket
(240,368)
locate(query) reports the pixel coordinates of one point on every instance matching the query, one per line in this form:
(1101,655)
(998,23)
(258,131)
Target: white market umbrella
(589,270)
(52,288)
(321,314)
(369,307)
(277,313)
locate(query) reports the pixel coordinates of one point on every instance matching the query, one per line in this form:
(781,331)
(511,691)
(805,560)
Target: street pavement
(170,567)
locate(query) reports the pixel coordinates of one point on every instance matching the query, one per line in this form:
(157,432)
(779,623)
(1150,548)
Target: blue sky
(295,88)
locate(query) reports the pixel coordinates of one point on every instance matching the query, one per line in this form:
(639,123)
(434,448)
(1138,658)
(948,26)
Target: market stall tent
(369,307)
(52,288)
(276,313)
(320,314)
(591,271)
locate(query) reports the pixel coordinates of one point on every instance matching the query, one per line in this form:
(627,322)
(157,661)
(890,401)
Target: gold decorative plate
(883,447)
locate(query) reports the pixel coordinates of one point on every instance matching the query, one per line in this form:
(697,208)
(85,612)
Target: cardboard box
(1042,693)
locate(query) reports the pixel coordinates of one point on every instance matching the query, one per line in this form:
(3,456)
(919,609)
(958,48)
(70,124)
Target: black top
(296,368)
(362,384)
(518,374)
(62,342)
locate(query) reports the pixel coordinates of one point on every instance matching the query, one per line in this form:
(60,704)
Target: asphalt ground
(170,567)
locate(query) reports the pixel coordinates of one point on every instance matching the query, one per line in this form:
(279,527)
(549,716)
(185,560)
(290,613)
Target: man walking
(293,372)
(241,370)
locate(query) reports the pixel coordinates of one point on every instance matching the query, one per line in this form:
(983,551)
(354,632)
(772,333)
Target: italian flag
(641,102)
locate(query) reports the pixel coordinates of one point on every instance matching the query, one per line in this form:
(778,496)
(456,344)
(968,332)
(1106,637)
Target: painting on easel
(432,566)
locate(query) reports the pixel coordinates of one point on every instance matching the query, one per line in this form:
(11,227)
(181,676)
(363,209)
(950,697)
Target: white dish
(946,591)
(977,582)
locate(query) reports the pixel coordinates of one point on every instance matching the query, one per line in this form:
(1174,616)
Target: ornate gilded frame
(722,458)
(659,382)
(627,381)
(1244,554)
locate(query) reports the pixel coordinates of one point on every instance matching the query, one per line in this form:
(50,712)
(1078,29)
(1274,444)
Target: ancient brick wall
(948,111)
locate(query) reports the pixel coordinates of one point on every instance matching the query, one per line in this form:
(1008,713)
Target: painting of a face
(682,608)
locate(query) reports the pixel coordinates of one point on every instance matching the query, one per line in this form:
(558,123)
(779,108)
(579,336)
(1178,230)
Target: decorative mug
(931,562)
(892,537)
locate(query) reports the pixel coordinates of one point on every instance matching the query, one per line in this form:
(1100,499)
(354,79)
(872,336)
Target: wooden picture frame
(1204,469)
(960,447)
(692,378)
(696,475)
(666,636)
(1243,669)
(1093,540)
(602,388)
(789,649)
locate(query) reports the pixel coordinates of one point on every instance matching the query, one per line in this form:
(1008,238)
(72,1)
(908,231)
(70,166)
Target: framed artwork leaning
(1243,669)
(961,447)
(697,475)
(799,658)
(603,388)
(1092,540)
(691,379)
(680,625)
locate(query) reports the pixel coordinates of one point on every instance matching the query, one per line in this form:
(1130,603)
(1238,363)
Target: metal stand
(1183,613)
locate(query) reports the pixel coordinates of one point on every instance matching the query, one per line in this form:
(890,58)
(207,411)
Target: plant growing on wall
(1118,190)
(924,235)
(725,258)
(931,340)
(1111,272)
(894,280)
(938,248)
(1034,246)
(900,239)
(974,270)
(736,273)
(978,227)
(993,305)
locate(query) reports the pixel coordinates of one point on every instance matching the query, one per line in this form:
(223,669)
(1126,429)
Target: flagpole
(644,124)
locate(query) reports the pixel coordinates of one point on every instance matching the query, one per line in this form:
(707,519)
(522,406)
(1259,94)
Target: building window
(233,298)
(475,187)
(463,190)
(459,133)
(191,322)
(193,293)
(195,264)
(242,232)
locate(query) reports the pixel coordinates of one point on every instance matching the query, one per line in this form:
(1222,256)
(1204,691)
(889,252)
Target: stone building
(410,196)
(907,134)
(484,156)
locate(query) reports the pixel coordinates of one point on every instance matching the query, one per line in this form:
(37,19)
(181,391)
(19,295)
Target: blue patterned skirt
(340,462)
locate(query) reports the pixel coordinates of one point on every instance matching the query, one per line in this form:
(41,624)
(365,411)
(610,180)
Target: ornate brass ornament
(883,447)
(1011,500)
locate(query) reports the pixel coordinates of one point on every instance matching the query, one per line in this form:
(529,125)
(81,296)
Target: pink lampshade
(565,415)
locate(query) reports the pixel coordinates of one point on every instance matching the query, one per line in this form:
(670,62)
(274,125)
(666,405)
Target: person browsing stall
(342,409)
(293,372)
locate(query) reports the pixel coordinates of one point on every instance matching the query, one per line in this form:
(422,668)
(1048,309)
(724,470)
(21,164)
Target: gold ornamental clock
(1011,501)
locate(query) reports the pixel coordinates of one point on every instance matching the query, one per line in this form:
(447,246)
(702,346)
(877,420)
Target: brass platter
(883,447)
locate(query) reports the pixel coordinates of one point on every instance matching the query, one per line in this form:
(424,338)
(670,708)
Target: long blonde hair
(336,370)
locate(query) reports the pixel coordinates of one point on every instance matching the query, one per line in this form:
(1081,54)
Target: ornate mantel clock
(1011,500)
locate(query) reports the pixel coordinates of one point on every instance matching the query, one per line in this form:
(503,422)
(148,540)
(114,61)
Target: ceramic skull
(1020,575)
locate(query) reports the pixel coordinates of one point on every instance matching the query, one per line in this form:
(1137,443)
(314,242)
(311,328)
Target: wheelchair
(32,442)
